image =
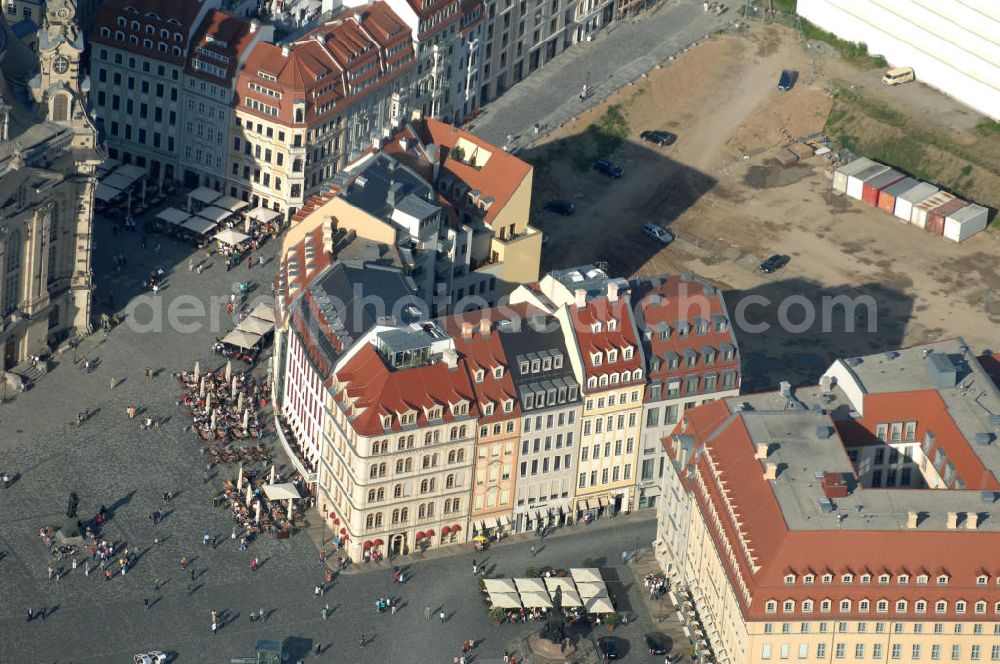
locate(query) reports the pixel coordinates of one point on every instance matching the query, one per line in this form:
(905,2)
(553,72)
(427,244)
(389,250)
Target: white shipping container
(920,210)
(856,182)
(966,222)
(905,203)
(841,174)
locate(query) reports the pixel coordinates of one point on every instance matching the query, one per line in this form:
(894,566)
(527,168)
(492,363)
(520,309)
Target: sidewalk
(318,532)
(662,612)
(619,55)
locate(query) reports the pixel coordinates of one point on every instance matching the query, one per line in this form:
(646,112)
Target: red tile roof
(222,33)
(484,353)
(601,310)
(376,390)
(330,68)
(675,299)
(729,455)
(498,179)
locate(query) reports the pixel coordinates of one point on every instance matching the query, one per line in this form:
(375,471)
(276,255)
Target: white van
(898,75)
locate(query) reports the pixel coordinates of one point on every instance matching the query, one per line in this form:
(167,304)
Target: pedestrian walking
(362,639)
(317,591)
(532,550)
(50,572)
(441,615)
(6,480)
(192,574)
(31,614)
(149,372)
(156,584)
(253,617)
(427,613)
(263,616)
(42,611)
(215,628)
(145,604)
(112,382)
(624,557)
(326,611)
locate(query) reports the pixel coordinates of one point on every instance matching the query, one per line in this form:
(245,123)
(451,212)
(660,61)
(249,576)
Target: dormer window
(595,327)
(557,362)
(828,578)
(789,579)
(612,356)
(922,580)
(529,401)
(614,379)
(809,579)
(612,325)
(434,413)
(982,580)
(480,375)
(903,579)
(488,409)
(150,30)
(387,421)
(771,606)
(942,580)
(523,367)
(508,405)
(866,578)
(498,372)
(847,579)
(547,364)
(883,579)
(627,353)
(106,32)
(122,22)
(135,26)
(597,359)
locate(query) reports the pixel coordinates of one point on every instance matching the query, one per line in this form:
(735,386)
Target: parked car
(608,647)
(609,168)
(658,233)
(565,208)
(661,138)
(154,657)
(787,80)
(774,263)
(898,76)
(658,644)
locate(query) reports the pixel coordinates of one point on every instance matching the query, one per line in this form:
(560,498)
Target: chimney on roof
(285,51)
(972,520)
(484,327)
(612,291)
(466,330)
(912,519)
(952,520)
(450,358)
(770,471)
(762,449)
(581,298)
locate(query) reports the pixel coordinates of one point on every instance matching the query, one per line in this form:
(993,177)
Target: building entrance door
(10,353)
(398,545)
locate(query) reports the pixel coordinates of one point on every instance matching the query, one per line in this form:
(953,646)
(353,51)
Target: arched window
(369,521)
(432,484)
(430,510)
(447,507)
(404,514)
(373,471)
(409,442)
(106,32)
(383,469)
(164,33)
(380,495)
(449,482)
(421,512)
(461,431)
(423,486)
(150,30)
(434,460)
(461,456)
(397,491)
(121,22)
(454,505)
(453,433)
(428,438)
(426,463)
(395,516)
(378,519)
(451,456)
(399,465)
(409,464)
(437,435)
(401,445)
(371,495)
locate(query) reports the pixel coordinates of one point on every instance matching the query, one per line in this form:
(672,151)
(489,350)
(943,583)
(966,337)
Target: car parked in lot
(787,80)
(609,168)
(608,647)
(658,233)
(661,138)
(565,208)
(774,263)
(657,643)
(154,657)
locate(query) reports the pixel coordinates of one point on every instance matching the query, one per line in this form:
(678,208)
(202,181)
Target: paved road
(109,461)
(621,54)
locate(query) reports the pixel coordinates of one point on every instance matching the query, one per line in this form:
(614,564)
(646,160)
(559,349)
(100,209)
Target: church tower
(60,87)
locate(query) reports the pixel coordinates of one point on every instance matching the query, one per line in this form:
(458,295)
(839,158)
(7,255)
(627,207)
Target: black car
(609,168)
(787,80)
(608,647)
(661,138)
(774,263)
(658,644)
(565,208)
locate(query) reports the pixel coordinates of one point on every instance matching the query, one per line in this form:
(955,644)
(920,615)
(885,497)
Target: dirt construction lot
(731,205)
